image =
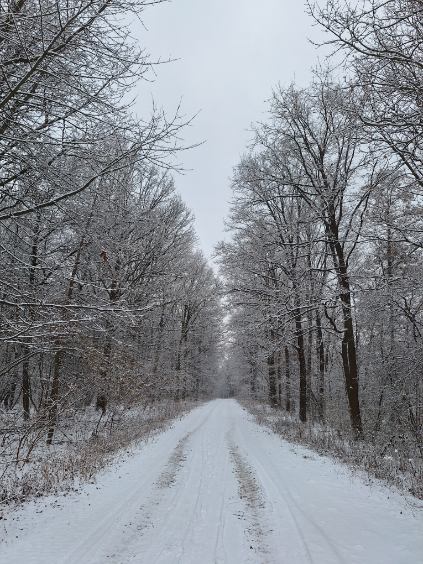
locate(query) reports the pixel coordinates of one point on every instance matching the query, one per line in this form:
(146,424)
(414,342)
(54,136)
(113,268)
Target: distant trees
(108,298)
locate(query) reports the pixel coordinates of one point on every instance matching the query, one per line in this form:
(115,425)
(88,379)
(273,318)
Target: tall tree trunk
(53,399)
(181,354)
(309,363)
(159,339)
(273,399)
(349,351)
(26,386)
(9,398)
(301,358)
(115,293)
(287,380)
(253,377)
(279,376)
(321,361)
(26,376)
(349,359)
(54,394)
(389,281)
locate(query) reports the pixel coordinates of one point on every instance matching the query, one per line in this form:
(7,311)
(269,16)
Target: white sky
(231,53)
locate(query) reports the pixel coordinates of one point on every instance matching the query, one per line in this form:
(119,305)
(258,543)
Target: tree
(66,70)
(383,44)
(98,249)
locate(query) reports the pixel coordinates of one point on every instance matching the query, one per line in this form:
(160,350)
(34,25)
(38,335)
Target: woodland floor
(218,488)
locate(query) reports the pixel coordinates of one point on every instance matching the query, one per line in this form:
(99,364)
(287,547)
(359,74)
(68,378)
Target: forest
(112,321)
(106,302)
(324,269)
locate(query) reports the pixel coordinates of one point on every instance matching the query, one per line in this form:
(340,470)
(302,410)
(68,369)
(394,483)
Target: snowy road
(216,488)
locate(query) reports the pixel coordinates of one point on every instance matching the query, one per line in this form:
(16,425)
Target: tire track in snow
(142,517)
(292,503)
(207,459)
(295,512)
(167,481)
(180,494)
(146,515)
(222,517)
(176,460)
(250,492)
(216,484)
(194,514)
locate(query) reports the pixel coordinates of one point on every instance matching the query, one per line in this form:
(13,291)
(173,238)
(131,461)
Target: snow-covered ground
(217,488)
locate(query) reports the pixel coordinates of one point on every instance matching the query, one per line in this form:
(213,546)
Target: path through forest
(217,488)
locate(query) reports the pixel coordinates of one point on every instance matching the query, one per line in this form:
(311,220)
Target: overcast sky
(231,53)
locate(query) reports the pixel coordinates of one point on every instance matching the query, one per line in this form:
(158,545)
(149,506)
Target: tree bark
(279,377)
(26,376)
(287,380)
(26,387)
(52,402)
(253,377)
(54,395)
(301,358)
(273,399)
(349,351)
(322,367)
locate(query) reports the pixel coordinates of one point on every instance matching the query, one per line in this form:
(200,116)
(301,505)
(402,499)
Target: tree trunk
(309,365)
(349,359)
(287,381)
(159,339)
(321,358)
(52,402)
(273,399)
(26,386)
(54,394)
(253,377)
(279,374)
(301,359)
(26,376)
(181,354)
(349,352)
(9,398)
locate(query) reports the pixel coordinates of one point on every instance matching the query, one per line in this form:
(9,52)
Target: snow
(217,488)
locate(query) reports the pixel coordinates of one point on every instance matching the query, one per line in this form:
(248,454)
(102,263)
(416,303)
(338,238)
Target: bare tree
(382,42)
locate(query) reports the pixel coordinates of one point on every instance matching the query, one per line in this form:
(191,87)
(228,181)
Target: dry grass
(394,466)
(30,468)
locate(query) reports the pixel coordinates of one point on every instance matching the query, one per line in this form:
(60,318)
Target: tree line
(324,267)
(104,298)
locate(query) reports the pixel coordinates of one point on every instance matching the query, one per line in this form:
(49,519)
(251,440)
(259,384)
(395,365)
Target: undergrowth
(389,465)
(30,468)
